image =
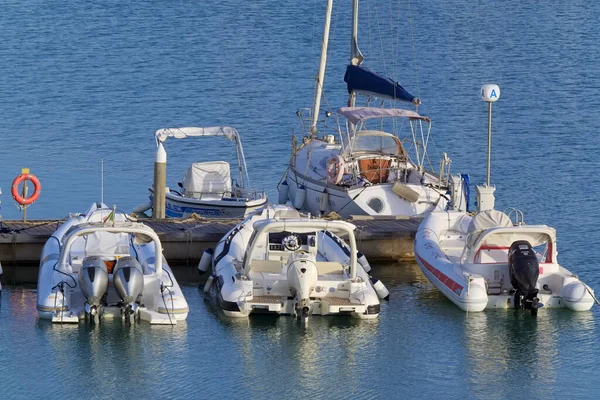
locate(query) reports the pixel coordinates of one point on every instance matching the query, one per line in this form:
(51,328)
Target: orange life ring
(335,169)
(37,188)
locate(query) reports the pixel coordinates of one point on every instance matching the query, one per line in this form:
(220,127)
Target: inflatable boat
(276,261)
(487,261)
(101,265)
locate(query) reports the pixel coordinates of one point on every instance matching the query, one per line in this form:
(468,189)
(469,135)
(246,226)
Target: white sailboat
(362,168)
(207,188)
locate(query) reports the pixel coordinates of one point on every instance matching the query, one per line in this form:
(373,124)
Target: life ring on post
(335,169)
(37,188)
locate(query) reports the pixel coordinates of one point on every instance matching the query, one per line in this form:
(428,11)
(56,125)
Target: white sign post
(490,93)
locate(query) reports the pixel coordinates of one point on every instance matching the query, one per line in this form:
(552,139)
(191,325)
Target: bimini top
(226,131)
(182,133)
(358,114)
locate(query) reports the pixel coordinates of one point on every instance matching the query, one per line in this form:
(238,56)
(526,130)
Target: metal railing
(238,194)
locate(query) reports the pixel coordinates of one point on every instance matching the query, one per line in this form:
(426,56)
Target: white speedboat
(207,188)
(279,262)
(485,261)
(102,265)
(364,166)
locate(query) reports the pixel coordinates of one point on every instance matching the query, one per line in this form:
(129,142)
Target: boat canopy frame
(356,118)
(535,234)
(143,234)
(224,131)
(302,226)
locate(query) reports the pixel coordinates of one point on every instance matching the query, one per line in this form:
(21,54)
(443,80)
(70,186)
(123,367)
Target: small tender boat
(485,261)
(279,262)
(102,265)
(207,188)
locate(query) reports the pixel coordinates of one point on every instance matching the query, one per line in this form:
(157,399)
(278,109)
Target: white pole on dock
(160,182)
(490,93)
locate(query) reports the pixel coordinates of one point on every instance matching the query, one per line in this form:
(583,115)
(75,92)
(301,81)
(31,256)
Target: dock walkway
(380,239)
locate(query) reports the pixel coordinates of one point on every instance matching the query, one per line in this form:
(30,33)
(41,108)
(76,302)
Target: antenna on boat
(102,181)
(490,93)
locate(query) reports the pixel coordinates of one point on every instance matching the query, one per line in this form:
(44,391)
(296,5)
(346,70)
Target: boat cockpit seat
(269,266)
(375,170)
(328,267)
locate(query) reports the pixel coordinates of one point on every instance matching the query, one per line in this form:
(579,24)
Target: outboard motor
(302,276)
(524,272)
(128,279)
(93,281)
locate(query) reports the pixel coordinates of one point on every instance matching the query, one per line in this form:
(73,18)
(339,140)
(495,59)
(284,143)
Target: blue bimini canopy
(364,81)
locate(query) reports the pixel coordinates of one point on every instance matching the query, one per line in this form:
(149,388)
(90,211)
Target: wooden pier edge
(184,241)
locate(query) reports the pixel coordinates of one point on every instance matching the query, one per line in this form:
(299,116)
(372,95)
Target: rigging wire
(412,35)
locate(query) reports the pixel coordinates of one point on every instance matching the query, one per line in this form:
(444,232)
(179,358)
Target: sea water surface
(89,82)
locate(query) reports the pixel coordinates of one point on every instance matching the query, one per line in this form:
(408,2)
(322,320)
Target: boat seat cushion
(327,267)
(271,266)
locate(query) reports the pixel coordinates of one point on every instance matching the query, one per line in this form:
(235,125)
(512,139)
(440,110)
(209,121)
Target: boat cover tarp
(357,114)
(489,219)
(106,243)
(365,81)
(182,133)
(207,177)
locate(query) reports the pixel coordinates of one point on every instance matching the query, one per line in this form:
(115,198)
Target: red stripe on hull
(449,283)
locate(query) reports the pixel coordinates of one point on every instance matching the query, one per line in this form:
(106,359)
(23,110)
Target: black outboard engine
(524,272)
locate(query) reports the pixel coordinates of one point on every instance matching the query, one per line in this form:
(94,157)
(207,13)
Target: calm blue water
(85,81)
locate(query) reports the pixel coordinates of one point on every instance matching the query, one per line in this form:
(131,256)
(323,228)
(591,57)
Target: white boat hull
(355,201)
(60,299)
(181,207)
(268,290)
(472,286)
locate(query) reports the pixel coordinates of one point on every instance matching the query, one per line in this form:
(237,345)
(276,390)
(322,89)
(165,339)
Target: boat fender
(37,188)
(299,197)
(362,260)
(283,190)
(380,288)
(324,202)
(142,208)
(209,283)
(205,261)
(335,169)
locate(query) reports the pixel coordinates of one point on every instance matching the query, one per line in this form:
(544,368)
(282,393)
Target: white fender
(299,198)
(284,191)
(205,261)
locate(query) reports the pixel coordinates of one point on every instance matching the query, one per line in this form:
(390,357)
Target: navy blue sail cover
(365,81)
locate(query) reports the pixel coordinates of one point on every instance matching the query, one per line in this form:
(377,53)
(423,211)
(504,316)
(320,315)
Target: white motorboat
(279,262)
(207,188)
(487,261)
(102,265)
(361,167)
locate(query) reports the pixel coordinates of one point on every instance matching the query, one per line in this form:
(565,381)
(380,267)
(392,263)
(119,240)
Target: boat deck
(379,238)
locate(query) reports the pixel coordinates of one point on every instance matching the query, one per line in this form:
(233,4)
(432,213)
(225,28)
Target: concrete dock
(380,239)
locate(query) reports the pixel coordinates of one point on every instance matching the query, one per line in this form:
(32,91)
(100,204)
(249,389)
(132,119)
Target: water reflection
(508,346)
(306,354)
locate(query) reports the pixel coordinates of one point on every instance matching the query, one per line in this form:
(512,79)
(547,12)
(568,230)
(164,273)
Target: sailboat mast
(321,75)
(354,58)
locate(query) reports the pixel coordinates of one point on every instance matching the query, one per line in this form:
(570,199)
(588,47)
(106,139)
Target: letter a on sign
(493,94)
